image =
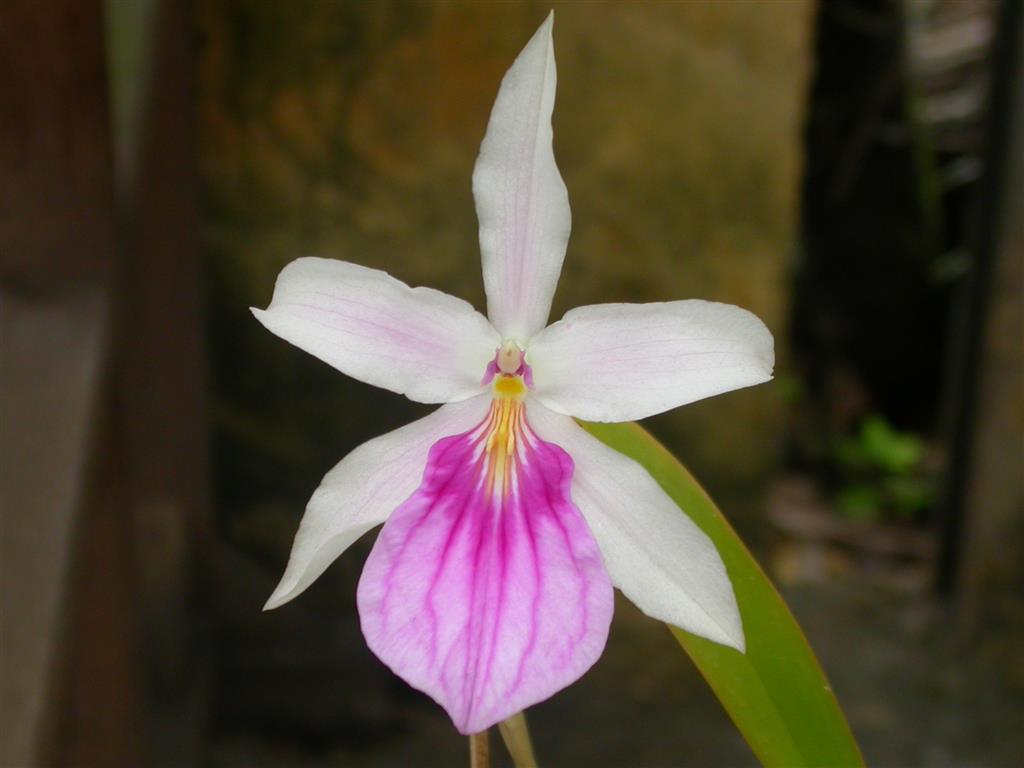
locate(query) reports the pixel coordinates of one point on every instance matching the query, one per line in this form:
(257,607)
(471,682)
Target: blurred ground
(916,694)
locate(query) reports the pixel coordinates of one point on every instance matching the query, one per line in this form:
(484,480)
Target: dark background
(849,170)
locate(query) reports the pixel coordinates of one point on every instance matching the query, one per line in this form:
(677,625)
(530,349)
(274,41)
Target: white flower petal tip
(296,580)
(422,343)
(521,201)
(363,489)
(623,362)
(655,554)
(276,600)
(739,642)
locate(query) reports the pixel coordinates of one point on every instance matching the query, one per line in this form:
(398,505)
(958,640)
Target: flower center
(510,358)
(509,371)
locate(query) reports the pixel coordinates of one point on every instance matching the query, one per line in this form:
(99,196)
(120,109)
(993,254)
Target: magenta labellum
(486,588)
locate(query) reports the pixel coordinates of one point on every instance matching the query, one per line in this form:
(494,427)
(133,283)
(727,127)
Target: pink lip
(486,589)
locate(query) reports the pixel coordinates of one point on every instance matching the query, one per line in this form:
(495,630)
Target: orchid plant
(506,525)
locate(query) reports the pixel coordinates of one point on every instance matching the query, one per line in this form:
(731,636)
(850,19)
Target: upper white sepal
(521,201)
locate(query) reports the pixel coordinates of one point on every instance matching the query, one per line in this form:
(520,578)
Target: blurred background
(849,170)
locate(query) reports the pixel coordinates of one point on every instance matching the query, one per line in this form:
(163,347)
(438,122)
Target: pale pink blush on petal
(488,601)
(418,342)
(621,362)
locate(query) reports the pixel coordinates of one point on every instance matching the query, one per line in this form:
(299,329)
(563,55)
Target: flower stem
(517,739)
(479,750)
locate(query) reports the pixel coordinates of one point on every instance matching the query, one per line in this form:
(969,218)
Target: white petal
(654,553)
(521,200)
(621,362)
(424,344)
(364,489)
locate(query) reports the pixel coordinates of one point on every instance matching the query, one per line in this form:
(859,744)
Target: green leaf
(775,693)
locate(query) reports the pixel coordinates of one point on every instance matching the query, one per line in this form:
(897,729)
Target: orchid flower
(505,523)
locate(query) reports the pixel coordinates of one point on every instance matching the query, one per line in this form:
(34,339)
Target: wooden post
(69,671)
(102,461)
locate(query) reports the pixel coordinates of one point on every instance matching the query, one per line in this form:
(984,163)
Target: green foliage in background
(775,693)
(883,473)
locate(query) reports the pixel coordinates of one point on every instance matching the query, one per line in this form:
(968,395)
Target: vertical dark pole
(990,222)
(159,388)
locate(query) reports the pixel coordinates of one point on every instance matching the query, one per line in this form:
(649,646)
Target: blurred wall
(56,252)
(102,463)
